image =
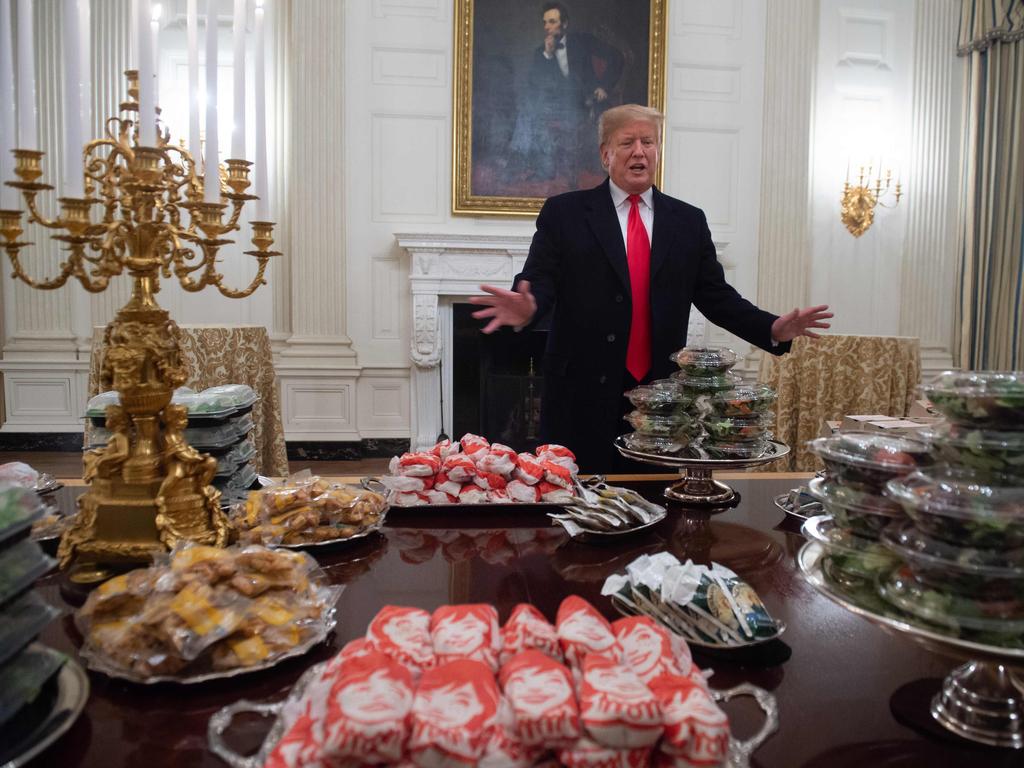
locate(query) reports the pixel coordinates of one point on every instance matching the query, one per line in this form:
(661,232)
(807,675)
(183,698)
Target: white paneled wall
(760,94)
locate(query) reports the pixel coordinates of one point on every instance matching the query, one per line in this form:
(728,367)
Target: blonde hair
(616,117)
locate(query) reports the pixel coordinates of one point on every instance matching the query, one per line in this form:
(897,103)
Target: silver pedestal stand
(697,486)
(982,700)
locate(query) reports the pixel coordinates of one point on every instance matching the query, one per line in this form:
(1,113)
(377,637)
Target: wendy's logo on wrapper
(460,635)
(580,627)
(376,698)
(538,691)
(450,706)
(618,683)
(644,647)
(407,630)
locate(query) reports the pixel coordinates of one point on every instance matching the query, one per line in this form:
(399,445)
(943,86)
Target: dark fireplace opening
(497,381)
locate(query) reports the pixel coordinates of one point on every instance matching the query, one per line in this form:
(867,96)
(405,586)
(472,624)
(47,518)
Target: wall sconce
(859,200)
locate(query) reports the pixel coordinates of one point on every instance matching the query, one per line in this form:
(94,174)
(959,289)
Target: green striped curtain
(990,314)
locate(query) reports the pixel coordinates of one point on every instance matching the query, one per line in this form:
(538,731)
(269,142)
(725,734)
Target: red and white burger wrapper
(521,492)
(582,630)
(650,650)
(407,483)
(540,692)
(555,494)
(300,747)
(416,464)
(498,462)
(404,635)
(587,753)
(459,467)
(617,708)
(442,482)
(696,730)
(453,711)
(470,494)
(504,748)
(490,481)
(474,446)
(556,474)
(527,629)
(468,631)
(529,469)
(367,712)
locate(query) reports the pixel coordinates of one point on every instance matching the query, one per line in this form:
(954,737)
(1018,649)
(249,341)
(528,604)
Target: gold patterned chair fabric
(834,376)
(236,355)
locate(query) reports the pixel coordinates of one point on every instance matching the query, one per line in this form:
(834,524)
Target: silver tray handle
(374,485)
(739,750)
(221,721)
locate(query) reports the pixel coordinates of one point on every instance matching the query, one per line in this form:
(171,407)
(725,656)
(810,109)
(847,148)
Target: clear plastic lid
(958,493)
(660,397)
(837,495)
(887,454)
(21,621)
(658,424)
(19,507)
(735,449)
(227,396)
(22,677)
(653,444)
(20,565)
(222,435)
(836,539)
(986,450)
(706,384)
(1003,618)
(746,428)
(913,545)
(981,398)
(744,401)
(704,360)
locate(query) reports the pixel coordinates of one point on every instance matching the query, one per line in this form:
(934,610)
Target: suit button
(611,337)
(618,298)
(602,380)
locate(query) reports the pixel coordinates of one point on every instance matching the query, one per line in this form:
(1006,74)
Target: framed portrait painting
(531,82)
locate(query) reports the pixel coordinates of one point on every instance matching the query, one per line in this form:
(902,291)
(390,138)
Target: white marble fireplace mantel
(443,268)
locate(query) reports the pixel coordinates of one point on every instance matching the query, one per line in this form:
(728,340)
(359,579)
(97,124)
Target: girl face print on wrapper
(696,730)
(466,632)
(454,708)
(540,692)
(527,629)
(367,713)
(618,710)
(404,635)
(582,630)
(650,650)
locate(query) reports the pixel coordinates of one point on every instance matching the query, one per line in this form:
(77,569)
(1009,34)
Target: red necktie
(638,254)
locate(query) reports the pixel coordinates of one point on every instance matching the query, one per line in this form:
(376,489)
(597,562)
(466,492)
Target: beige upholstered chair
(835,376)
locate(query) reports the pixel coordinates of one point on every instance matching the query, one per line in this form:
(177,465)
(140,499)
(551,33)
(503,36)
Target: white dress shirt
(560,56)
(620,199)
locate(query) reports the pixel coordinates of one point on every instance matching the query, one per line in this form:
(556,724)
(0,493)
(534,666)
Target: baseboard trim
(327,450)
(41,441)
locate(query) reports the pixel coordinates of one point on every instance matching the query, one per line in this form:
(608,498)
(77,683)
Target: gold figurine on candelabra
(859,200)
(149,489)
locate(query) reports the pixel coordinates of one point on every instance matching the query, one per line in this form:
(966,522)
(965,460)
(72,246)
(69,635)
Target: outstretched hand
(504,307)
(799,321)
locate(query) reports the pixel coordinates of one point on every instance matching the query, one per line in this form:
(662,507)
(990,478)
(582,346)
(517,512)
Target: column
(932,185)
(784,261)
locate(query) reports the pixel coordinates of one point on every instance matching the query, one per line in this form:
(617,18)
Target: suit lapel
(604,222)
(661,238)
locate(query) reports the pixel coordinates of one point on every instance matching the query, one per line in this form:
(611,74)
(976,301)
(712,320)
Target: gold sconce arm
(859,200)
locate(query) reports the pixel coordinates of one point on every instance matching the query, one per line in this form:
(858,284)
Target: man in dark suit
(570,79)
(618,267)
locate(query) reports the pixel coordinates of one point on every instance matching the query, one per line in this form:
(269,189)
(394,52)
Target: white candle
(238,129)
(27,138)
(192,19)
(154,36)
(72,154)
(211,183)
(7,196)
(85,68)
(261,169)
(144,61)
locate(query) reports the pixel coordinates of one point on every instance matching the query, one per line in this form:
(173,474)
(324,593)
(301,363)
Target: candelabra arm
(34,217)
(67,268)
(248,290)
(183,270)
(236,213)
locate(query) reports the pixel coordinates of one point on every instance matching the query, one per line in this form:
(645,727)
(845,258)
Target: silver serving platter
(627,610)
(697,486)
(979,700)
(72,693)
(99,663)
(374,484)
(610,537)
(738,757)
(805,512)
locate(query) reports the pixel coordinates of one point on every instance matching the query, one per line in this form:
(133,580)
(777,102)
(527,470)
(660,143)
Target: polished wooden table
(848,693)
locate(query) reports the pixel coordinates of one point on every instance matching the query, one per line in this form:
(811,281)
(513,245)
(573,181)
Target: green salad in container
(993,399)
(704,361)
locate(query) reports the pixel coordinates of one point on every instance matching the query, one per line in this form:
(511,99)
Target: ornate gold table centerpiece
(149,489)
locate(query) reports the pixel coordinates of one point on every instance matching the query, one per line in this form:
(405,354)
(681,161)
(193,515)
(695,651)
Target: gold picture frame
(529,146)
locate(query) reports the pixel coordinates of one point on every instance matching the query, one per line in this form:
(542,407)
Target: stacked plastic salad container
(703,407)
(25,666)
(220,423)
(948,549)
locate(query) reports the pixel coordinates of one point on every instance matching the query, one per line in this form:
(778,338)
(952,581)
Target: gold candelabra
(859,200)
(148,488)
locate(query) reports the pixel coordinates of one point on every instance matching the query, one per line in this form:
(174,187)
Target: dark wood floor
(69,464)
